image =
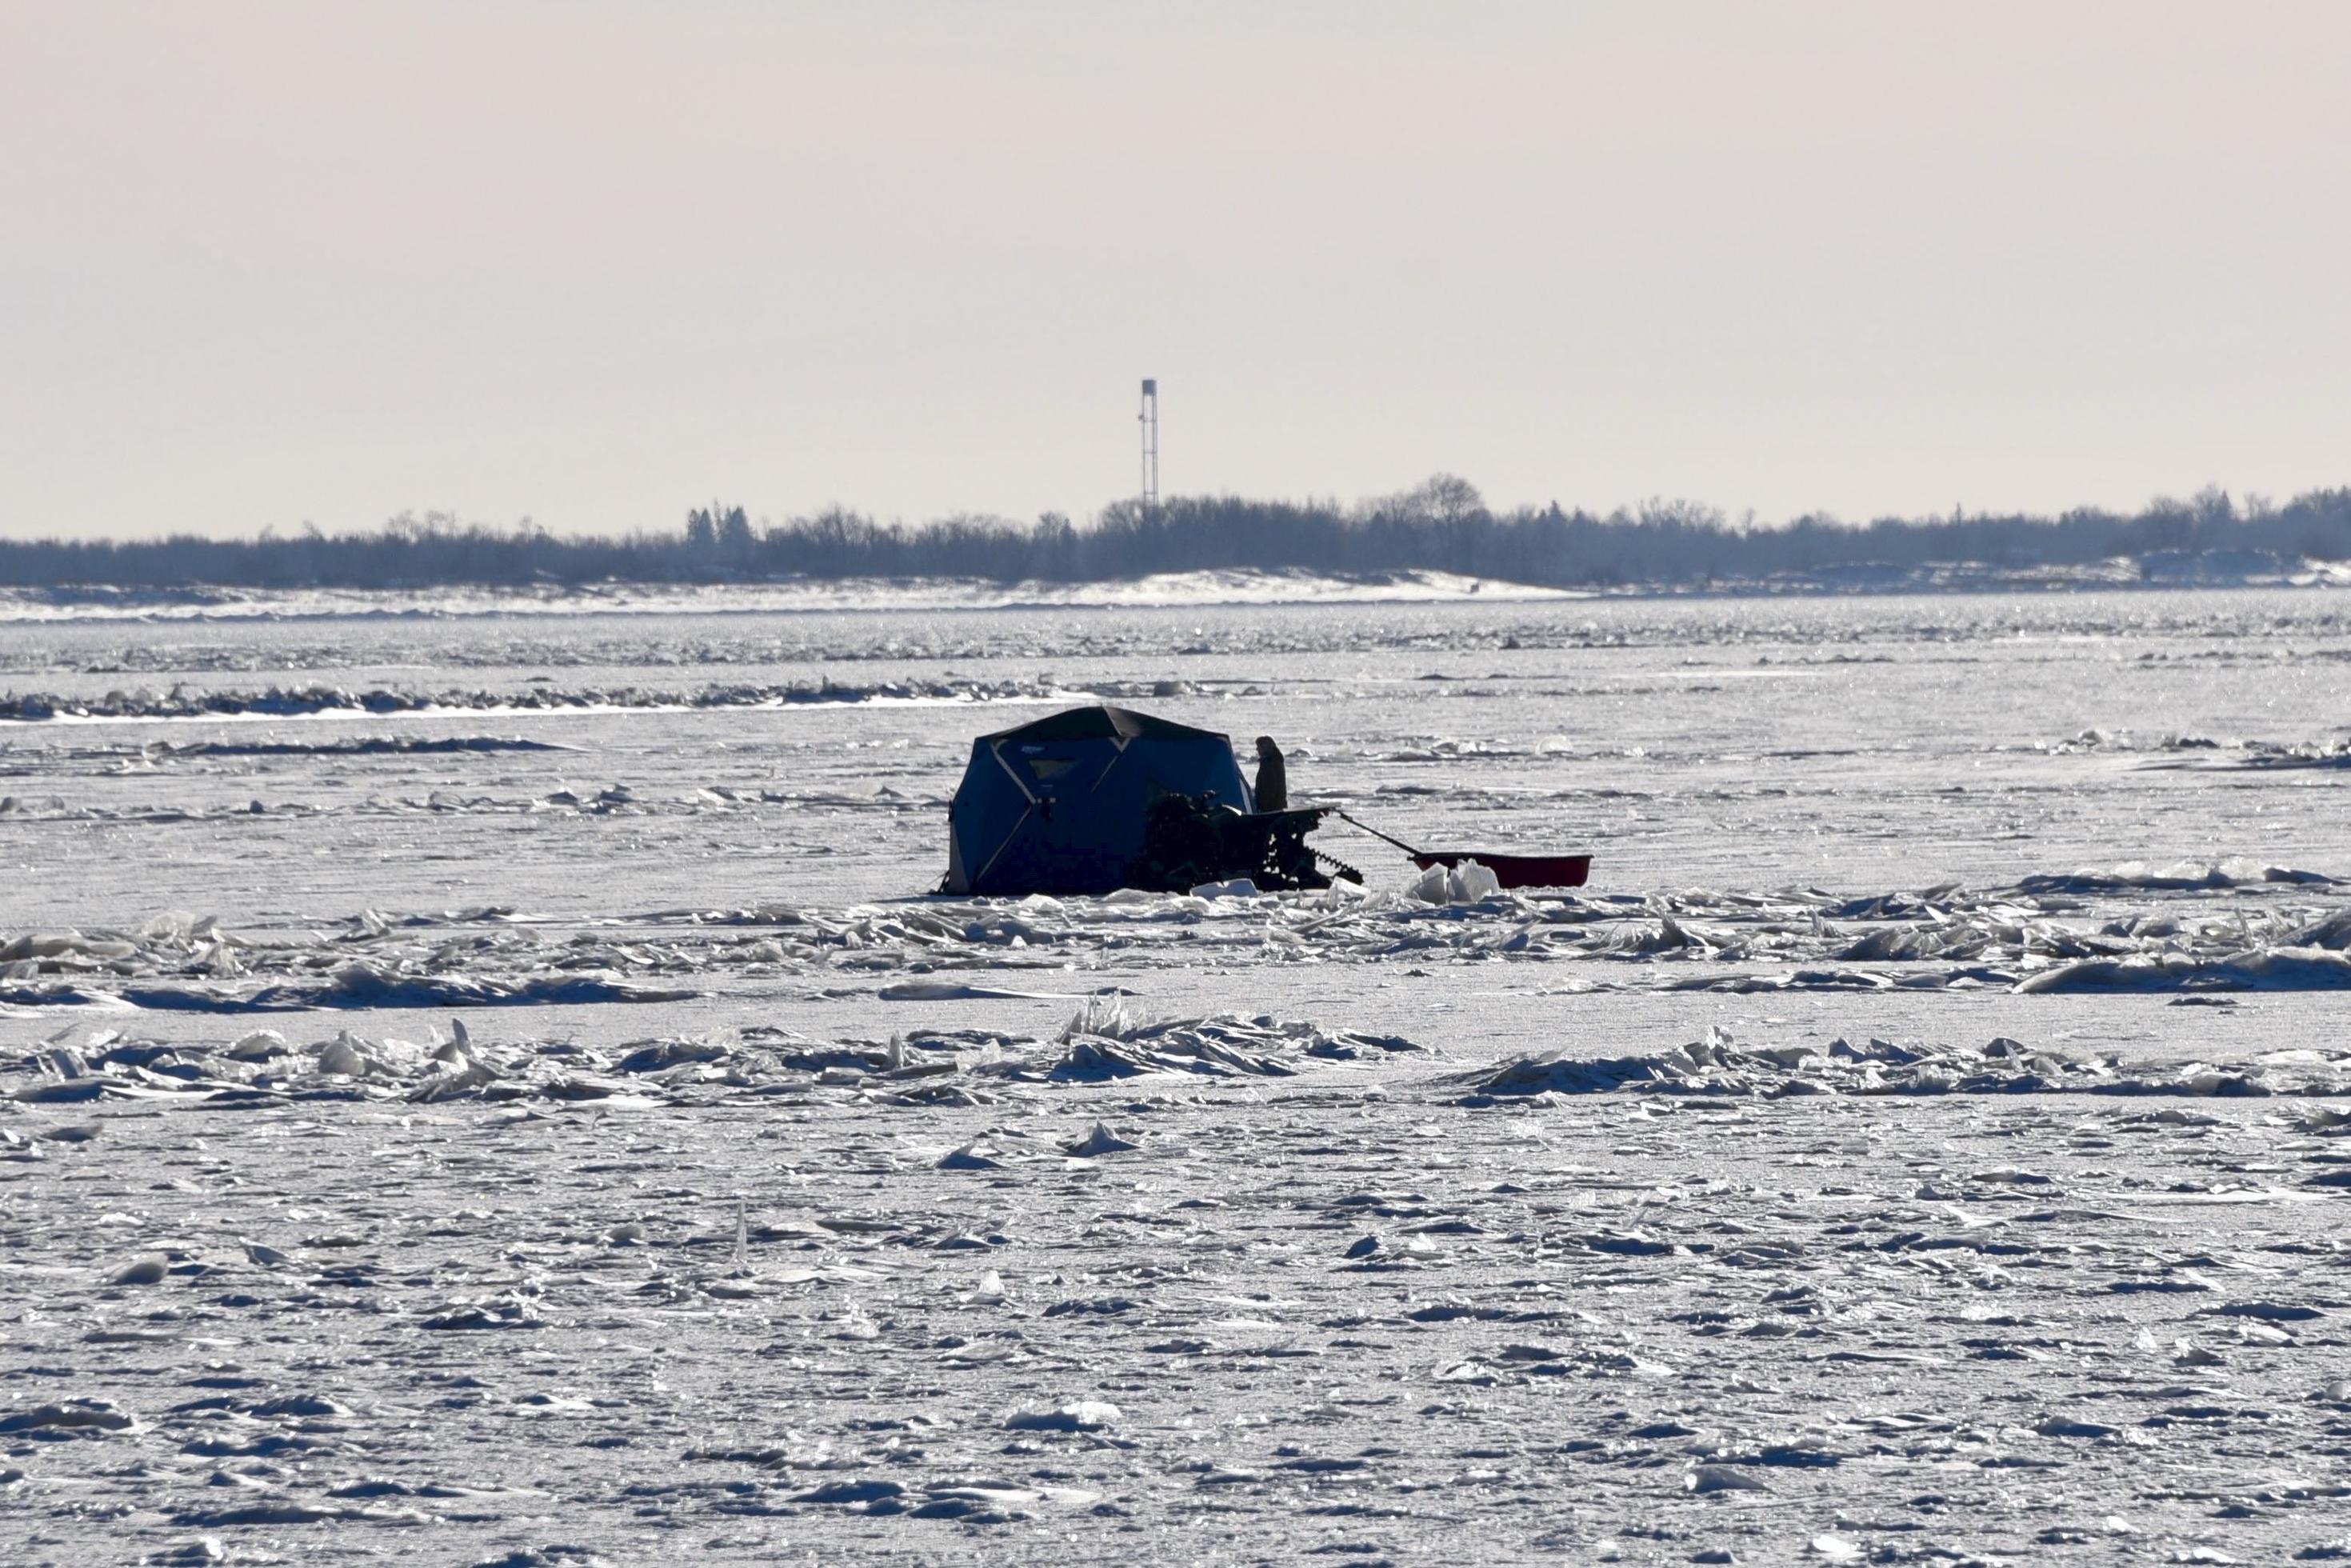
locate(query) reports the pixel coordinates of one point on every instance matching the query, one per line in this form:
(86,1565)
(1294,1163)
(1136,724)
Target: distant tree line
(1442,524)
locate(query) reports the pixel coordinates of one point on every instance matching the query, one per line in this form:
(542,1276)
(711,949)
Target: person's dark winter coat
(1272,776)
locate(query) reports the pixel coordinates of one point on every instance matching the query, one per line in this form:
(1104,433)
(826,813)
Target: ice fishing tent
(1059,806)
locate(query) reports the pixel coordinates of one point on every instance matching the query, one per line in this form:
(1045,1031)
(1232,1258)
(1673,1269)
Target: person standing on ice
(1272,776)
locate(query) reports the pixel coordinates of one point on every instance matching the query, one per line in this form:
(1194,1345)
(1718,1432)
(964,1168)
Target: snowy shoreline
(1194,590)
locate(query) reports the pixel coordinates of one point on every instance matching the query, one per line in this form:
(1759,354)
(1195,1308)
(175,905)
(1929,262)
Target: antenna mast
(1149,419)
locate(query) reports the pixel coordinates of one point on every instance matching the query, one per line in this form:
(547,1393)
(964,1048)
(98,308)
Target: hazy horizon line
(2212,499)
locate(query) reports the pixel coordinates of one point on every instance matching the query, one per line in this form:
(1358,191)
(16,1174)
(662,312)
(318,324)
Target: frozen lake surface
(492,1087)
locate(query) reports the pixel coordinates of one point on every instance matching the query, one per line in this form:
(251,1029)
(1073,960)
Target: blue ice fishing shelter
(1058,806)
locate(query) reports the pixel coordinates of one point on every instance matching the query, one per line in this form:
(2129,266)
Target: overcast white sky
(595,262)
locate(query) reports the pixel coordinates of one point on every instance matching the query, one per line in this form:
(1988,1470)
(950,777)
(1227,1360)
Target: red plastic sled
(1515,871)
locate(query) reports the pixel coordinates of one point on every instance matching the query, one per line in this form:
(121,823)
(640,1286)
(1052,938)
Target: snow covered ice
(484,1082)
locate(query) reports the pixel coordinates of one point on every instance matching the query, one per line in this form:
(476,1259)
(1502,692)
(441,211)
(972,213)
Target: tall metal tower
(1149,419)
